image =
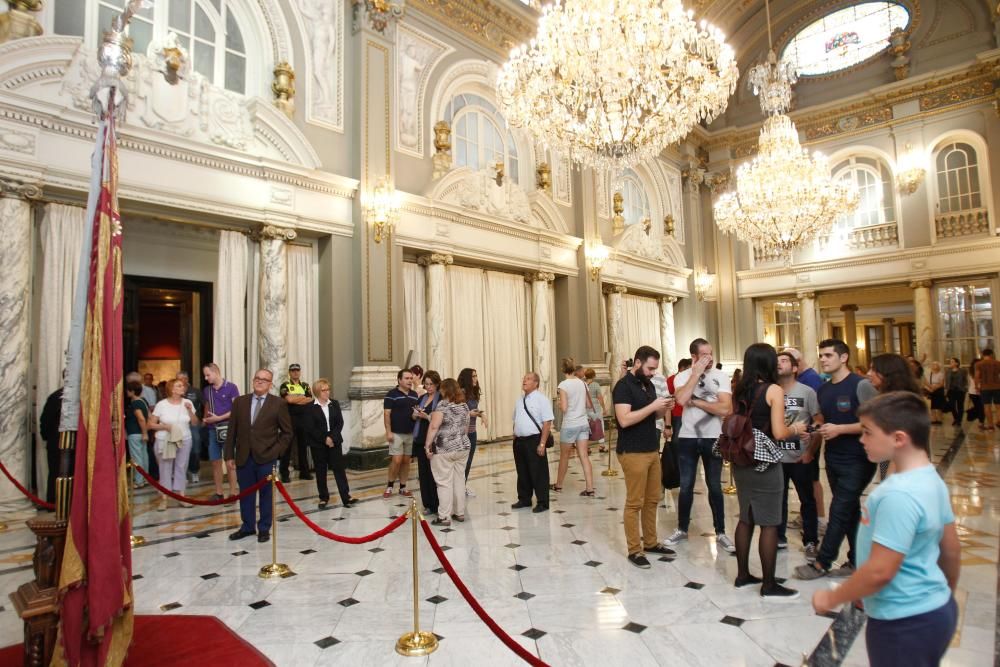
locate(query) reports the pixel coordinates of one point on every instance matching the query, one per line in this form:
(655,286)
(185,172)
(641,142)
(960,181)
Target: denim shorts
(570,435)
(214,446)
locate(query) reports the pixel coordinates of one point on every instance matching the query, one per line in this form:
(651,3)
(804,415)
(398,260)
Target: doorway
(167,326)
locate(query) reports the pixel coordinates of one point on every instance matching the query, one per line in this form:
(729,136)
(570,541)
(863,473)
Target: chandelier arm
(767,10)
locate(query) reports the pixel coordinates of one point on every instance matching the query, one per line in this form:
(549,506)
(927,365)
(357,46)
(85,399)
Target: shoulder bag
(221,429)
(736,443)
(550,441)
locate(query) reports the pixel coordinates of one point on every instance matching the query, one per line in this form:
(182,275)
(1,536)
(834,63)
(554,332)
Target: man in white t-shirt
(706,395)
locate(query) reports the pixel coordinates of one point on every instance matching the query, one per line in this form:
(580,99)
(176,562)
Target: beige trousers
(449,474)
(643,491)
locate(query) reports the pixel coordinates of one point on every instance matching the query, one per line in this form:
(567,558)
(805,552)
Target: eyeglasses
(701,381)
(260,379)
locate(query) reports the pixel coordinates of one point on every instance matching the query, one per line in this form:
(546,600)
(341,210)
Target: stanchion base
(729,490)
(275,571)
(3,527)
(609,473)
(137,541)
(414,644)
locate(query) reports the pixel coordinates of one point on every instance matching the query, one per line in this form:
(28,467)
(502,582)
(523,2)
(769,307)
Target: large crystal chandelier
(613,82)
(784,196)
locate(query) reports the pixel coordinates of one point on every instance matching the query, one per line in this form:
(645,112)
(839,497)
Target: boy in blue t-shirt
(908,551)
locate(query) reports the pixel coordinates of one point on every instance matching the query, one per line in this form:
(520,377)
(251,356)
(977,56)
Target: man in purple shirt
(219,395)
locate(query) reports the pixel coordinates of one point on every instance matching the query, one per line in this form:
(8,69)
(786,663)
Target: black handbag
(670,474)
(550,441)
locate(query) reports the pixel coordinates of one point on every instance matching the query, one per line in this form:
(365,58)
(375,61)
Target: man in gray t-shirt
(801,405)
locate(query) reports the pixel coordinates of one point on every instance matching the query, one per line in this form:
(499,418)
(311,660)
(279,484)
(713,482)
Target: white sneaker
(469,493)
(195,478)
(676,538)
(725,543)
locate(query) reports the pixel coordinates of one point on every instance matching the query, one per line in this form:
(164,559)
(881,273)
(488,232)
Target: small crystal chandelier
(784,196)
(613,82)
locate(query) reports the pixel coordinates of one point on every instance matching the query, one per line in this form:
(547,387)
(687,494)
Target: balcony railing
(962,223)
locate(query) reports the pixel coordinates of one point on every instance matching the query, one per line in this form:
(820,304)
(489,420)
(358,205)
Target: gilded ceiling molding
(487,23)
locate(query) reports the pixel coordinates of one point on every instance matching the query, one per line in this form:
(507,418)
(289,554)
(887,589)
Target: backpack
(736,443)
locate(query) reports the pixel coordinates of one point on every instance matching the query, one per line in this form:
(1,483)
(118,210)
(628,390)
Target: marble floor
(558,582)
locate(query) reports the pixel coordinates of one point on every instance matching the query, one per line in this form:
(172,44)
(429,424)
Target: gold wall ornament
(647,225)
(498,173)
(543,177)
(381,209)
(899,45)
(910,171)
(283,88)
(618,206)
(19,21)
(378,14)
(597,255)
(668,225)
(442,137)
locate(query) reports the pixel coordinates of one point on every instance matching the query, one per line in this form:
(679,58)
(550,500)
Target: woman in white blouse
(574,432)
(171,420)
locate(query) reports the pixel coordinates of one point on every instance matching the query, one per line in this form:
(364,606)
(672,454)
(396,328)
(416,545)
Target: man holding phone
(636,410)
(706,394)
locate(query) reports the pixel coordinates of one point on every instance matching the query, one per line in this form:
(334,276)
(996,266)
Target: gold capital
(849,308)
(436,258)
(920,283)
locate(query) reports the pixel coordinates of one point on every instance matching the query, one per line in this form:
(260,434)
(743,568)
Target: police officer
(299,397)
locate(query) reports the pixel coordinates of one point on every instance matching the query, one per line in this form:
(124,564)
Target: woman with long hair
(892,372)
(447,447)
(574,432)
(934,386)
(468,380)
(418,379)
(596,409)
(759,487)
(422,416)
(171,420)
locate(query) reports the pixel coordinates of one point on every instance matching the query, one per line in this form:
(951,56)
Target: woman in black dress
(323,432)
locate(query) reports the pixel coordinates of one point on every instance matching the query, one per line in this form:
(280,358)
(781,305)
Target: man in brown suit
(260,430)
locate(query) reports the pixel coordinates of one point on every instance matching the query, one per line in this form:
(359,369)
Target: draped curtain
(415,313)
(229,338)
(467,319)
(640,323)
(506,324)
(61,235)
(302,326)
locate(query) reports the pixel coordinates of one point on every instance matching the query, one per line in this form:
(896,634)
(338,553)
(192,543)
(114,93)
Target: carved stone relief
(601,193)
(322,24)
(416,55)
(478,191)
(563,182)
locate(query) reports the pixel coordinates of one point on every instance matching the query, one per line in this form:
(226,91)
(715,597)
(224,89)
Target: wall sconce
(381,209)
(618,206)
(597,255)
(910,171)
(704,285)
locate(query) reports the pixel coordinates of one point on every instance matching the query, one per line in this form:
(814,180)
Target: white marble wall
(368,387)
(541,336)
(437,309)
(808,325)
(616,329)
(15,319)
(668,358)
(273,305)
(923,317)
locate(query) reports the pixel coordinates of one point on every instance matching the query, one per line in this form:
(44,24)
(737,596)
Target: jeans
(247,475)
(194,461)
(801,477)
(472,452)
(956,404)
(912,641)
(137,452)
(848,480)
(642,494)
(689,451)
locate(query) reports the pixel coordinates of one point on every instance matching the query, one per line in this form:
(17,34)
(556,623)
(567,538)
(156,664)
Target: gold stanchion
(730,489)
(137,540)
(610,472)
(416,643)
(274,569)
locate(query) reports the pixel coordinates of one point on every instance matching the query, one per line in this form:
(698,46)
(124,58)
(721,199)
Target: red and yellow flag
(96,579)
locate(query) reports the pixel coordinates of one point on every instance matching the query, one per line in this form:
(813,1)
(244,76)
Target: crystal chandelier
(613,82)
(784,196)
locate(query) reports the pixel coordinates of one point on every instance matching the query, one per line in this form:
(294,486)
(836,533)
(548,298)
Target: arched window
(207,29)
(876,199)
(957,178)
(634,198)
(481,137)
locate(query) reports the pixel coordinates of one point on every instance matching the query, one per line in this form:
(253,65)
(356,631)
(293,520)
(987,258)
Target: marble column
(541,337)
(437,308)
(15,353)
(667,341)
(616,329)
(807,325)
(272,320)
(887,323)
(851,327)
(923,317)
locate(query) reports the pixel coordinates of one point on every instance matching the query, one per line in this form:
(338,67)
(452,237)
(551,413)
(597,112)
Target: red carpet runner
(169,641)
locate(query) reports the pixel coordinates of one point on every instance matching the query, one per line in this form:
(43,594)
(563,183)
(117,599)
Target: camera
(627,363)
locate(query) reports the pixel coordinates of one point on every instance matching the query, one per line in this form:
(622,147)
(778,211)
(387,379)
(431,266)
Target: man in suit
(260,430)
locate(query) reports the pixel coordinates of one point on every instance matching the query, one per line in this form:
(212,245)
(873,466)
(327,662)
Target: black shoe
(779,593)
(539,509)
(217,496)
(240,534)
(660,549)
(639,561)
(305,476)
(264,537)
(750,580)
(323,503)
(349,502)
(519,505)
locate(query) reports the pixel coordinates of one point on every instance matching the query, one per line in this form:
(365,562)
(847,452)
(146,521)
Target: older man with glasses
(260,430)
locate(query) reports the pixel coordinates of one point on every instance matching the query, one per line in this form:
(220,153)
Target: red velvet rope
(522,652)
(27,494)
(195,501)
(396,523)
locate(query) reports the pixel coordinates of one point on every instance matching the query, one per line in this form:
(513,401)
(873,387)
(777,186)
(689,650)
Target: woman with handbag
(574,432)
(595,409)
(422,416)
(171,420)
(447,448)
(759,486)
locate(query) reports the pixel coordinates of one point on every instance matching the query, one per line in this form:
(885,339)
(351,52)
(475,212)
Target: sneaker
(844,570)
(810,552)
(195,478)
(405,493)
(660,549)
(387,493)
(779,593)
(782,544)
(639,561)
(810,572)
(469,493)
(676,537)
(725,543)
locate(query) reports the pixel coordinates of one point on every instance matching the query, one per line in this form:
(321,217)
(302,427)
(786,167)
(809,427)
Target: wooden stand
(37,602)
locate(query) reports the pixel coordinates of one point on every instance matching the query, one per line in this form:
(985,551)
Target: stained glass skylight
(845,37)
